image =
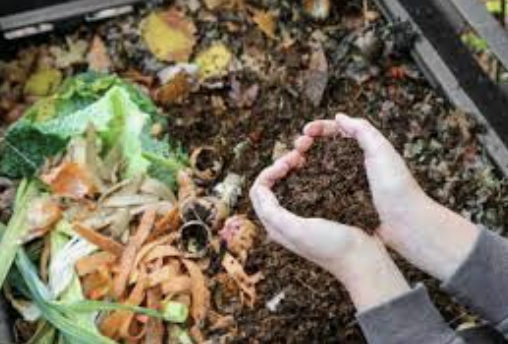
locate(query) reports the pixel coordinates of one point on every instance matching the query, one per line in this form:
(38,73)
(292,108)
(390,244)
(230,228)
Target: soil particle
(332,185)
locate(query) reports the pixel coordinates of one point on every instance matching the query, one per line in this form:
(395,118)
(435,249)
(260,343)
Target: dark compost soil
(440,144)
(332,185)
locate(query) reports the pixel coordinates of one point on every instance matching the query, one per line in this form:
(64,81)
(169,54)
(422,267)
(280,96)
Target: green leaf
(73,291)
(17,227)
(45,334)
(96,306)
(46,127)
(73,332)
(175,312)
(121,114)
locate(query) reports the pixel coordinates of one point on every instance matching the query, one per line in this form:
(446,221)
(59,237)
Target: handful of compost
(99,241)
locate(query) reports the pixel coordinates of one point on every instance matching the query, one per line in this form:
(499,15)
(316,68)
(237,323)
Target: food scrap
(123,246)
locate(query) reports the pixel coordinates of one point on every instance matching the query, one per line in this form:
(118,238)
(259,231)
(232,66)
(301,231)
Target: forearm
(436,240)
(373,279)
(389,311)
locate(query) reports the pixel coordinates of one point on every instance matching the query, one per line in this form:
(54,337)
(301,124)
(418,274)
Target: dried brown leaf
(265,20)
(70,180)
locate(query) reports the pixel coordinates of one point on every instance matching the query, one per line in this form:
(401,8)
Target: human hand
(427,234)
(358,260)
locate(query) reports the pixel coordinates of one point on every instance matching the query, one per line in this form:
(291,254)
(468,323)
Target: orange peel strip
(128,257)
(103,242)
(89,264)
(199,291)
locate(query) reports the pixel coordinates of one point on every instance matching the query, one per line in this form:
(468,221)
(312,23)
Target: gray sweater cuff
(481,281)
(410,318)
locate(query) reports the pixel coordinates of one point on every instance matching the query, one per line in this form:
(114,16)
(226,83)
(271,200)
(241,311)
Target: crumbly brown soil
(332,185)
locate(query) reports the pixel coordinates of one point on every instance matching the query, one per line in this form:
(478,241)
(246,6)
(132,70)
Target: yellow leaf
(43,82)
(213,61)
(266,22)
(169,35)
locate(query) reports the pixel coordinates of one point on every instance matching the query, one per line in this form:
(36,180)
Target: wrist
(372,278)
(431,237)
(450,241)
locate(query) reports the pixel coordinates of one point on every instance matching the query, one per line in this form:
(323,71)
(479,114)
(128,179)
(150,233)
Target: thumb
(368,137)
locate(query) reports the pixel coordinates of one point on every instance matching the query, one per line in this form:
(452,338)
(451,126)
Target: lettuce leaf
(121,114)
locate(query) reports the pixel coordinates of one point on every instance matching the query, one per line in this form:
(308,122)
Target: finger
(368,137)
(270,175)
(303,143)
(270,212)
(281,240)
(321,128)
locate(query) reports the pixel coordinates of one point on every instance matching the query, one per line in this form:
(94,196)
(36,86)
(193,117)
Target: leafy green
(121,114)
(17,227)
(475,42)
(45,334)
(74,332)
(175,312)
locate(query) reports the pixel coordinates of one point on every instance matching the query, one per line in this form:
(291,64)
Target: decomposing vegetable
(209,210)
(195,238)
(206,163)
(121,254)
(120,113)
(239,234)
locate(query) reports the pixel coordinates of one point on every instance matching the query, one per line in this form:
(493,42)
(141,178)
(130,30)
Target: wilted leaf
(214,61)
(75,53)
(265,20)
(43,82)
(175,90)
(98,57)
(169,35)
(44,213)
(316,78)
(71,180)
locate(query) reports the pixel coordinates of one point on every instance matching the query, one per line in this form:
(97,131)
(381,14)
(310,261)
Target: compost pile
(103,248)
(160,241)
(332,185)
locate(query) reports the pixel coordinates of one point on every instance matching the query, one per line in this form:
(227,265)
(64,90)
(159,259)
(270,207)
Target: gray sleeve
(410,318)
(481,282)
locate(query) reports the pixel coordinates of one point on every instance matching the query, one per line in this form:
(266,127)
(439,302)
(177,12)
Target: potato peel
(199,291)
(128,258)
(246,283)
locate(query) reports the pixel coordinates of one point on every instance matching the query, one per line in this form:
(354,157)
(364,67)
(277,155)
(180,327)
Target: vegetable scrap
(98,214)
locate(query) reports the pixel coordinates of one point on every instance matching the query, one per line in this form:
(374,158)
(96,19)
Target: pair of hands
(427,234)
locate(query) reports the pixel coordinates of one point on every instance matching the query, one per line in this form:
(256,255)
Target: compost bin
(219,88)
